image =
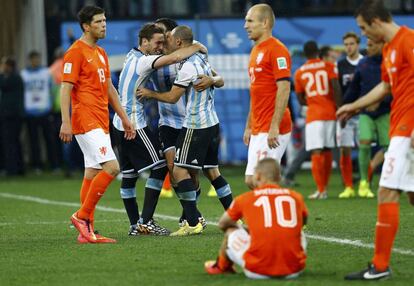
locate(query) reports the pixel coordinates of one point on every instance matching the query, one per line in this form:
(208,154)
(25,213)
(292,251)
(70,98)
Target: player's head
(371,16)
(267,171)
(351,42)
(181,36)
(167,25)
(8,65)
(92,21)
(310,49)
(34,58)
(151,39)
(259,21)
(326,53)
(374,48)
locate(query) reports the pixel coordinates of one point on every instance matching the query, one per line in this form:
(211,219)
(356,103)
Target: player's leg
(366,136)
(382,125)
(168,137)
(328,144)
(345,139)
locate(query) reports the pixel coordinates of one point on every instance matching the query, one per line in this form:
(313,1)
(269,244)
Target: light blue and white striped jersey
(171,115)
(200,111)
(135,73)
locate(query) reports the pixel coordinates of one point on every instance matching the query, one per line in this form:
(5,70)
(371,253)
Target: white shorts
(398,168)
(258,149)
(237,244)
(347,136)
(320,134)
(96,148)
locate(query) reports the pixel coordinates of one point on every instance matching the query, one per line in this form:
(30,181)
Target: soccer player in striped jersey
(198,141)
(144,152)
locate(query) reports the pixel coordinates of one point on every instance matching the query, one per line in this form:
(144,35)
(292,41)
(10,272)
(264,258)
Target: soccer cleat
(318,196)
(84,228)
(364,191)
(81,239)
(369,274)
(201,220)
(212,192)
(212,268)
(152,228)
(99,239)
(166,193)
(186,229)
(347,193)
(133,230)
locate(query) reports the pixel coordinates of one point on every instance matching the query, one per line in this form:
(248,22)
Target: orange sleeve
(72,62)
(281,63)
(298,84)
(235,209)
(384,73)
(332,70)
(107,71)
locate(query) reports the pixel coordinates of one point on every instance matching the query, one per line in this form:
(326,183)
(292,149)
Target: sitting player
(273,246)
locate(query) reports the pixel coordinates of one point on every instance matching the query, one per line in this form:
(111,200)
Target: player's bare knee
(211,173)
(386,195)
(111,167)
(249,182)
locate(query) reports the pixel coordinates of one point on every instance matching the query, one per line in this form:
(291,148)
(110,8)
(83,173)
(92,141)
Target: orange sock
(223,262)
(370,172)
(346,169)
(328,166)
(318,170)
(385,232)
(96,190)
(86,183)
(167,182)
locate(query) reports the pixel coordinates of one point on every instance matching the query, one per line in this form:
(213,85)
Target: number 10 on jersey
(281,219)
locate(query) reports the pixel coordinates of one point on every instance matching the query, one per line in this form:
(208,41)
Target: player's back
(275,218)
(314,80)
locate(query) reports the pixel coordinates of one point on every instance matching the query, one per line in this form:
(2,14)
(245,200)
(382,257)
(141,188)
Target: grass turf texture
(39,248)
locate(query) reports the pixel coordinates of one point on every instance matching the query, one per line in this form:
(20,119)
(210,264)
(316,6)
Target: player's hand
(372,107)
(65,133)
(201,48)
(246,136)
(144,93)
(129,130)
(273,138)
(203,82)
(345,112)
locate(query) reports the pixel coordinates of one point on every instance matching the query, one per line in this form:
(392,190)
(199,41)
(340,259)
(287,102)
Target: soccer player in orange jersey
(317,86)
(274,245)
(397,174)
(268,123)
(86,80)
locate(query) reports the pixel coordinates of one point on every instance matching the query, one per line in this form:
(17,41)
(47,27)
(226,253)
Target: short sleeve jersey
(87,68)
(275,217)
(398,70)
(269,62)
(314,80)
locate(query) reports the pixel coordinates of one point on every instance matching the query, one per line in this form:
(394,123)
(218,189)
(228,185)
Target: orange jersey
(398,71)
(269,62)
(275,217)
(314,80)
(87,68)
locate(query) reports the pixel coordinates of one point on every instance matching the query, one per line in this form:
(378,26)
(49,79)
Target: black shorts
(168,137)
(198,148)
(141,153)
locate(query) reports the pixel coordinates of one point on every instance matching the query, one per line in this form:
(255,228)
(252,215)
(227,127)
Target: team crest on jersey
(67,68)
(259,58)
(281,63)
(393,55)
(102,58)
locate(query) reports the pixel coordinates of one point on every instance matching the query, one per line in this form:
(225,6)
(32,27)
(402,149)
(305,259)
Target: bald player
(268,124)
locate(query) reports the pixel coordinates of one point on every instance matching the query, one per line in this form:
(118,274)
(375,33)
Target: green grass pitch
(39,248)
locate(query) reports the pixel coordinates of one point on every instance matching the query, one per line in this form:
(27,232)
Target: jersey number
(316,84)
(281,220)
(101,74)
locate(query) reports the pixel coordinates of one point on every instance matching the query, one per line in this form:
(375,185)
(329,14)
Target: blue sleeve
(354,88)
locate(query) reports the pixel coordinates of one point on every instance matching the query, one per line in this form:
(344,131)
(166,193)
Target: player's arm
(171,96)
(281,102)
(301,98)
(337,92)
(205,81)
(113,98)
(65,133)
(178,55)
(375,95)
(247,129)
(227,222)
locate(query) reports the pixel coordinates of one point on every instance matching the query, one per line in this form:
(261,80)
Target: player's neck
(390,30)
(353,57)
(87,39)
(265,36)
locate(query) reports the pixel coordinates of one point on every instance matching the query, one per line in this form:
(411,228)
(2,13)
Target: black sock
(191,212)
(131,208)
(185,188)
(150,202)
(226,201)
(223,191)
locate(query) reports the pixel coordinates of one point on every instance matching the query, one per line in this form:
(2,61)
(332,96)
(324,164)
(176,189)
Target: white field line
(342,241)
